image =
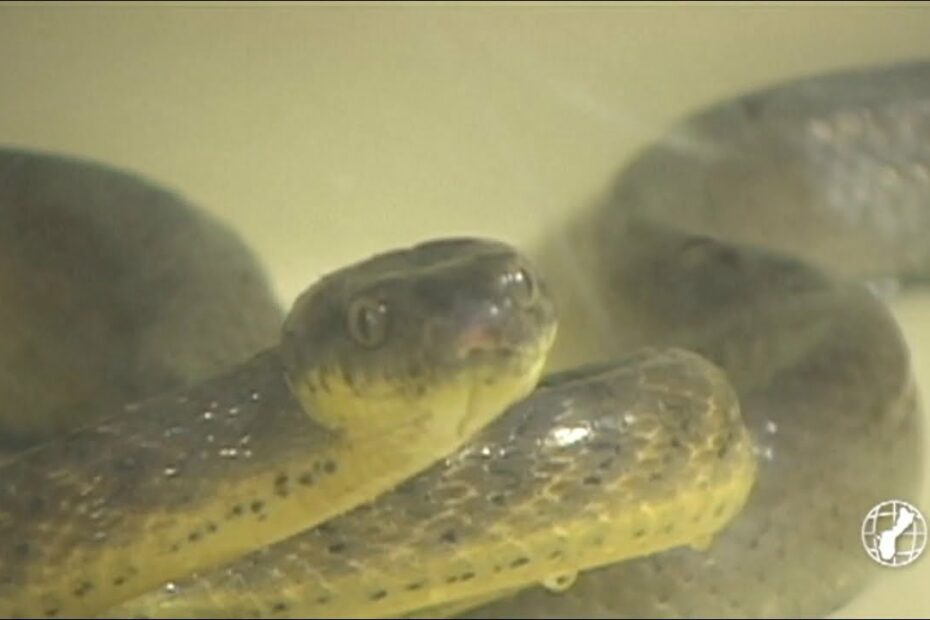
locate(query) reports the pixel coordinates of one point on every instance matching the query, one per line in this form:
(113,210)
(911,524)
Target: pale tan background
(324,133)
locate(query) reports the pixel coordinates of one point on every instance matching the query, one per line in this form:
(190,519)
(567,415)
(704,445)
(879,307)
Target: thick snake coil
(719,283)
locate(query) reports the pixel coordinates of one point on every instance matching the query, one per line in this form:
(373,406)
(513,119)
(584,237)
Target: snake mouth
(506,365)
(479,339)
(498,330)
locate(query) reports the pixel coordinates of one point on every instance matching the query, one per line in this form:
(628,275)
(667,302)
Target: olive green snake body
(699,248)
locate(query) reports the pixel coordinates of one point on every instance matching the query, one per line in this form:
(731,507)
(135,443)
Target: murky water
(325,133)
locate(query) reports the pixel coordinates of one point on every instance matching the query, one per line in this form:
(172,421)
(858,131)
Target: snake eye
(368,321)
(521,284)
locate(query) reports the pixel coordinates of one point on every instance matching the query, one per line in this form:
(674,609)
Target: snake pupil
(368,321)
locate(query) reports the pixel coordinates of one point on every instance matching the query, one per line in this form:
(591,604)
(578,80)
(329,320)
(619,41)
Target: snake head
(447,332)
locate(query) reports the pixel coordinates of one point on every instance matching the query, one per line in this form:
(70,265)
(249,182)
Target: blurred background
(323,133)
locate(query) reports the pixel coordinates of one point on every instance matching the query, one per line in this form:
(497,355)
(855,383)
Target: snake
(410,351)
(714,418)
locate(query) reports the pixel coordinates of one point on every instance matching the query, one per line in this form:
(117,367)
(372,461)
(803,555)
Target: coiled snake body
(723,275)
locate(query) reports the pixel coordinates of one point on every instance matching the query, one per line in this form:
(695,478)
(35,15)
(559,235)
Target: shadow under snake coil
(722,401)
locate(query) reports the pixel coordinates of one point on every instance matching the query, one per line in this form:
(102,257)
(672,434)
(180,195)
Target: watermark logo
(894,533)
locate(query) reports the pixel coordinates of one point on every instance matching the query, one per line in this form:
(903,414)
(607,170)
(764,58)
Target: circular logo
(894,533)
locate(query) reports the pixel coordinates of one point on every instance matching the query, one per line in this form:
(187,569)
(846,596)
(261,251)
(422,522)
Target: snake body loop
(623,466)
(755,233)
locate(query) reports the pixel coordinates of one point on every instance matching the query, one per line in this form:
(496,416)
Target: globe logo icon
(894,533)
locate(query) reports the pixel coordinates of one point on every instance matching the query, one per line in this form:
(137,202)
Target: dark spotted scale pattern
(654,428)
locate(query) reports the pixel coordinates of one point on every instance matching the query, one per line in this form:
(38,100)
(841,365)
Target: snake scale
(723,279)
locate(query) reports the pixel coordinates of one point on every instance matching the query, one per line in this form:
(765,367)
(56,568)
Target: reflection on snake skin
(740,237)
